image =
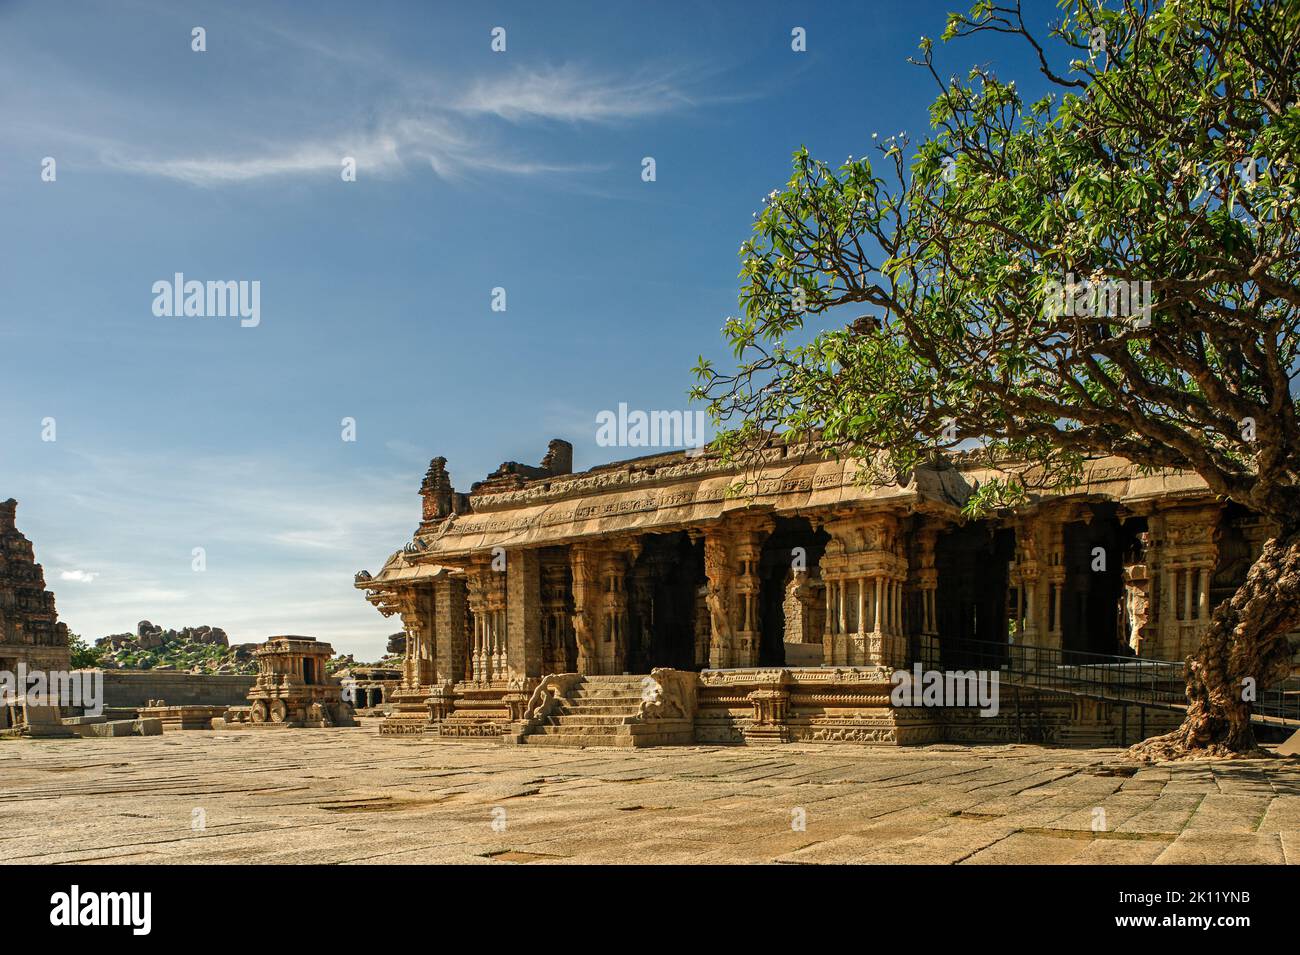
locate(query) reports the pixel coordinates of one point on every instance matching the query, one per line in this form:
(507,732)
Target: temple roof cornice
(693,491)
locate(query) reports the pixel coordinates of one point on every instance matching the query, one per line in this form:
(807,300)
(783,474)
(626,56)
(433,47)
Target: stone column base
(410,714)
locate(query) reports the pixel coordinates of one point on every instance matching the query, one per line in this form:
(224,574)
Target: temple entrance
(559,645)
(664,603)
(791,602)
(1092,603)
(971,601)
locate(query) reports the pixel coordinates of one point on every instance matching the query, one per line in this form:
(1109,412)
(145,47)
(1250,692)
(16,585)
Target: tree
(1110,269)
(84,656)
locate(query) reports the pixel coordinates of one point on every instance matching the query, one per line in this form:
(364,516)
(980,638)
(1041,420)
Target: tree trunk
(1247,639)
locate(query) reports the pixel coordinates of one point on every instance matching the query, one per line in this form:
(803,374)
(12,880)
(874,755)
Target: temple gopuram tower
(30,632)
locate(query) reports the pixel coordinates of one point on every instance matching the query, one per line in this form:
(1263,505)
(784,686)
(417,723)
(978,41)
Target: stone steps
(589,719)
(621,693)
(576,740)
(1090,736)
(628,736)
(600,709)
(604,711)
(603,679)
(602,703)
(567,730)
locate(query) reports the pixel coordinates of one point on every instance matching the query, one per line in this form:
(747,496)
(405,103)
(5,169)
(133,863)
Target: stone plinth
(185,717)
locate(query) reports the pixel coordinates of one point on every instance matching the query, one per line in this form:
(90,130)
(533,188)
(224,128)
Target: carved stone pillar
(612,645)
(809,591)
(586,596)
(476,592)
(1036,578)
(925,590)
(558,651)
(865,571)
(600,603)
(703,626)
(1022,581)
(1055,576)
(487,606)
(749,633)
(1137,604)
(523,615)
(731,556)
(451,632)
(720,596)
(417,609)
(1183,554)
(415,605)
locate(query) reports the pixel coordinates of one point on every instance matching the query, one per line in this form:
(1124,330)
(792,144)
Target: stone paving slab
(352,796)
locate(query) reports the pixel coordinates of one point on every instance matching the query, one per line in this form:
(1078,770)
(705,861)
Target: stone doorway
(1092,600)
(664,611)
(971,602)
(559,645)
(791,595)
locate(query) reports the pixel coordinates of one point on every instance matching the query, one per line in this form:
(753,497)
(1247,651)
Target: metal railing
(1109,678)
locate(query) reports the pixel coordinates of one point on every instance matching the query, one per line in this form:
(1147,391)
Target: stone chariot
(293,688)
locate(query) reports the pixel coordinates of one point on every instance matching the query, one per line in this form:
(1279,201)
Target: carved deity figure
(719,612)
(586,643)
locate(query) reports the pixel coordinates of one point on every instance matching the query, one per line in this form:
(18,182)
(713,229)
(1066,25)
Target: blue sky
(475,170)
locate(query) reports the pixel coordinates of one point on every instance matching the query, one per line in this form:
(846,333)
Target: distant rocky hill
(392,658)
(204,648)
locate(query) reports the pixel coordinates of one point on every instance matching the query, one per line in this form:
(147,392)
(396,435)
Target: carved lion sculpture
(666,694)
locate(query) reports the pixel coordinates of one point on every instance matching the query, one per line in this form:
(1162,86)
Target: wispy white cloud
(79,576)
(377,156)
(402,143)
(414,120)
(368,100)
(573,94)
(437,140)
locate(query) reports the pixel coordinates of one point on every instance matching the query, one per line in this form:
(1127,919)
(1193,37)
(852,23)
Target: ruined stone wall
(135,688)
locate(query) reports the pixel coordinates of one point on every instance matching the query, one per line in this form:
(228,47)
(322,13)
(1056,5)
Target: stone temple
(679,598)
(30,632)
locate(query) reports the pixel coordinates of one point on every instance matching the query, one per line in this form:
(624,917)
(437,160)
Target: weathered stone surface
(361,797)
(182,717)
(25,718)
(114,728)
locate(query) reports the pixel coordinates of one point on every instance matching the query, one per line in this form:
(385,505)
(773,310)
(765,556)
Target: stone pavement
(349,795)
